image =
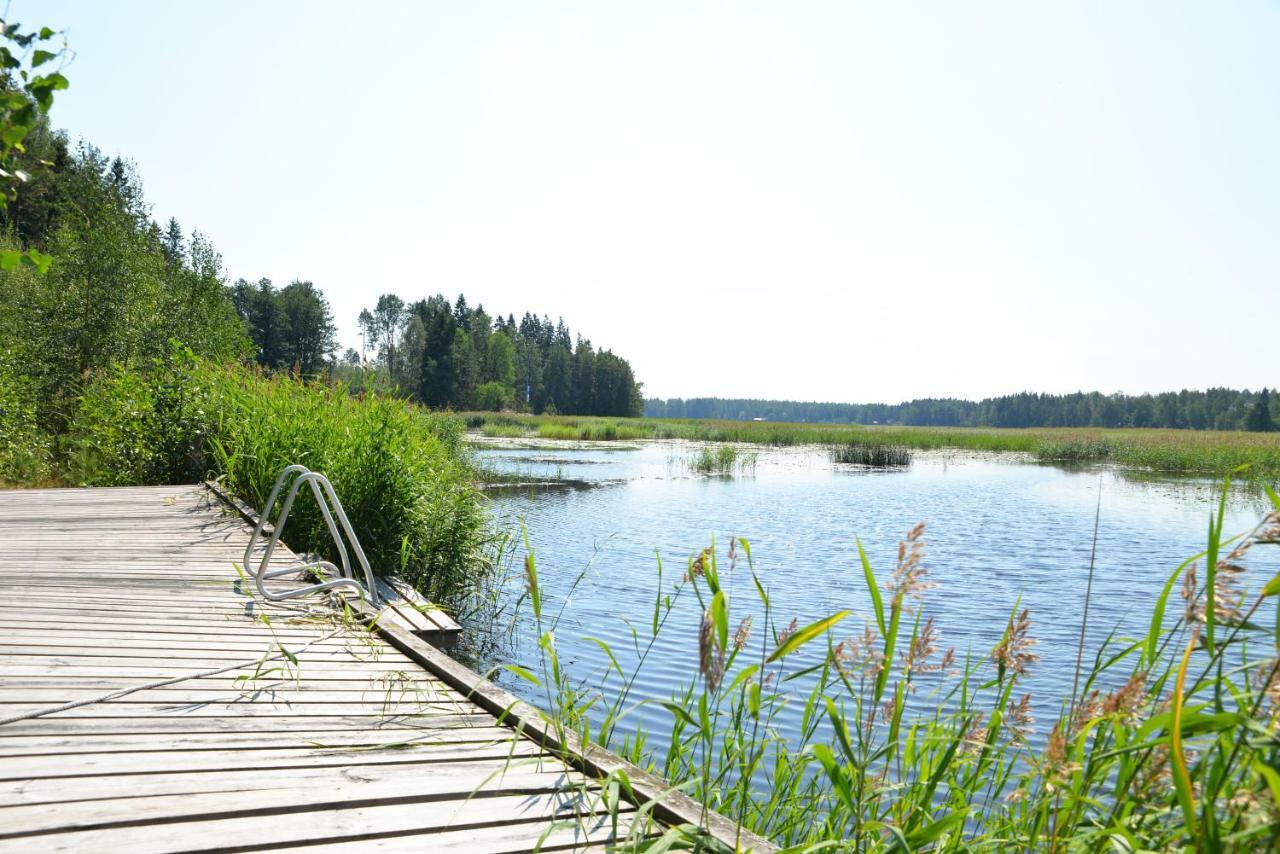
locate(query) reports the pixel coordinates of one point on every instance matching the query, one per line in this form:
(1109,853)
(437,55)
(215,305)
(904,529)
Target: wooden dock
(148,702)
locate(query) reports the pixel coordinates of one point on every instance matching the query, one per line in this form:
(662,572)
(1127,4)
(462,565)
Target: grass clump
(1168,741)
(722,460)
(502,431)
(871,456)
(402,473)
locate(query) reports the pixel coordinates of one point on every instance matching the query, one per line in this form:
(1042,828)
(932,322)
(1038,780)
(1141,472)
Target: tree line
(447,354)
(1214,409)
(122,286)
(119,288)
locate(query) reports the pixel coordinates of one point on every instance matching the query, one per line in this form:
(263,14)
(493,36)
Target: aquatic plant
(502,431)
(1169,742)
(1191,451)
(722,459)
(872,456)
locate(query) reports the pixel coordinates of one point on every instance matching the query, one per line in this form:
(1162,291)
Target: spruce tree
(1259,418)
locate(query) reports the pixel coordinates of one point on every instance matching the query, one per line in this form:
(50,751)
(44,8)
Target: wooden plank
(103,765)
(371,743)
(335,820)
(250,743)
(668,804)
(283,724)
(517,838)
(81,800)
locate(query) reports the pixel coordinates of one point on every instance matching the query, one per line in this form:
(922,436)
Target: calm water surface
(999,531)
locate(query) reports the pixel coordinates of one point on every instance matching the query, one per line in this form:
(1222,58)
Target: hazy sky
(837,201)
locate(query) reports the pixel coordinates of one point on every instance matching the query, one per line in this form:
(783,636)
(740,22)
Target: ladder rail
(335,517)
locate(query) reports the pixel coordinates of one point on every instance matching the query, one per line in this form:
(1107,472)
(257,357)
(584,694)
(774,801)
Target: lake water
(1000,530)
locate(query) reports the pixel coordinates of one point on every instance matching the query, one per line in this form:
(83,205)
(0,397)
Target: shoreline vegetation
(1168,740)
(1201,452)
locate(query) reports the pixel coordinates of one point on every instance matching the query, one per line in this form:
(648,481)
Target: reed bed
(503,431)
(402,473)
(1187,451)
(1169,741)
(722,460)
(871,456)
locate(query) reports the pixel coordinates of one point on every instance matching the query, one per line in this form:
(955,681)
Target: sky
(818,201)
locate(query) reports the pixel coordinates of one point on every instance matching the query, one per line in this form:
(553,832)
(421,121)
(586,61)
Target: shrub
(402,474)
(493,396)
(24,447)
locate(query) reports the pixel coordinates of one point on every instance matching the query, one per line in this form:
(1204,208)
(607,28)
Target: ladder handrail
(327,500)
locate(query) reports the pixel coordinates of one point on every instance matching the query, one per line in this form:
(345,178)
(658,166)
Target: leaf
(930,832)
(802,636)
(13,134)
(40,57)
(1157,615)
(1181,778)
(870,577)
(1211,566)
(1272,587)
(1271,777)
(1271,493)
(521,672)
(720,618)
(681,713)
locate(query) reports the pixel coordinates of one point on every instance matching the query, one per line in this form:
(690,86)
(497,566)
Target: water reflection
(1000,532)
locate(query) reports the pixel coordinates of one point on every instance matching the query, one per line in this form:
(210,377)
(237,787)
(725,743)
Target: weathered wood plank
(321,822)
(80,801)
(368,742)
(102,765)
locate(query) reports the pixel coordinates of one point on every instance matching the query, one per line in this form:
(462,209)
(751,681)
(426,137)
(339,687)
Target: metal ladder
(330,506)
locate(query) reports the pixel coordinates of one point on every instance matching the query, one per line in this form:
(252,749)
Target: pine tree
(1259,418)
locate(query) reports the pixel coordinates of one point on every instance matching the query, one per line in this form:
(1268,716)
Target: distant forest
(1215,409)
(451,355)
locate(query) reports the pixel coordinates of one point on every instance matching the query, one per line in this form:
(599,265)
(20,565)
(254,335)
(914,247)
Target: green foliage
(494,396)
(116,295)
(1171,744)
(291,328)
(1259,418)
(25,99)
(871,455)
(722,459)
(401,473)
(24,447)
(452,356)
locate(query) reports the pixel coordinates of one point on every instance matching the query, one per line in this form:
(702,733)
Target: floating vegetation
(872,456)
(723,459)
(1190,451)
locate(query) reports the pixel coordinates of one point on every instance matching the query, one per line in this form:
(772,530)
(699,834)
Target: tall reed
(871,456)
(1172,743)
(402,473)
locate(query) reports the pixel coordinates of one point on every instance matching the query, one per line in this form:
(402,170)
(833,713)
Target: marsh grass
(503,431)
(722,460)
(871,456)
(1170,744)
(1178,451)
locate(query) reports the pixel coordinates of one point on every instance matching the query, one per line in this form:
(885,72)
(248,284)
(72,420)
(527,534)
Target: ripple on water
(1001,533)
